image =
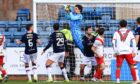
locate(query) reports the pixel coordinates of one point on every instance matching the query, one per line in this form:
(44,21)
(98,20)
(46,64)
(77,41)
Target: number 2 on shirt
(60,41)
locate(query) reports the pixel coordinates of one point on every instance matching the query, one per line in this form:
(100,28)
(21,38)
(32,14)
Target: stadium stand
(14,29)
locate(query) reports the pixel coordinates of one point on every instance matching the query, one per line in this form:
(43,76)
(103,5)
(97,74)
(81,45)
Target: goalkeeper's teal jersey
(75,25)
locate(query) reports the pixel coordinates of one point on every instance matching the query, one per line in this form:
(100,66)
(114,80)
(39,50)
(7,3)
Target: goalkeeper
(75,24)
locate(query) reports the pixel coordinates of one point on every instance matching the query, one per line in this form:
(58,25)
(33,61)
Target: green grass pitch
(61,82)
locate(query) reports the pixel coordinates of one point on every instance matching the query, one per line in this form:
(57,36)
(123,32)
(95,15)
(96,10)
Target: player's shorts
(30,57)
(100,60)
(1,60)
(127,57)
(57,57)
(86,60)
(137,57)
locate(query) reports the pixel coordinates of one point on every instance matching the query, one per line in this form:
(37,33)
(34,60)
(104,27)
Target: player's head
(29,27)
(96,28)
(138,21)
(101,31)
(78,8)
(66,26)
(123,23)
(88,30)
(56,26)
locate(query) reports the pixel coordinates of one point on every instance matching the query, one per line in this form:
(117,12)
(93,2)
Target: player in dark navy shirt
(58,41)
(137,37)
(88,41)
(30,39)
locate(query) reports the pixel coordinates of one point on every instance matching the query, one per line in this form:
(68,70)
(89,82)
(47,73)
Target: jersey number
(60,41)
(30,43)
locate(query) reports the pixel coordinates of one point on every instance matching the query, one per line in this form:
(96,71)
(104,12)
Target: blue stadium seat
(19,33)
(89,23)
(23,15)
(7,40)
(44,33)
(7,33)
(24,23)
(2,29)
(106,18)
(114,23)
(113,29)
(11,45)
(4,24)
(88,9)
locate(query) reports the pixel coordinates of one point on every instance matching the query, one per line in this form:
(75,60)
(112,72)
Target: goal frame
(77,1)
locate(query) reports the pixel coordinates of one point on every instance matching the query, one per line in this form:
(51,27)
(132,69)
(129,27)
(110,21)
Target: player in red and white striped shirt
(121,44)
(98,49)
(2,54)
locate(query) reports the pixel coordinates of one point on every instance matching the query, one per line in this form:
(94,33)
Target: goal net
(95,14)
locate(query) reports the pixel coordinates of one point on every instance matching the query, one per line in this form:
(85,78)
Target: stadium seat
(89,23)
(106,18)
(7,33)
(2,30)
(4,24)
(19,33)
(12,29)
(24,23)
(11,45)
(23,15)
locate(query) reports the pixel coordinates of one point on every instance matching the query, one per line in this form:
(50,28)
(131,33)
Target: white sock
(28,71)
(64,72)
(35,72)
(137,74)
(49,73)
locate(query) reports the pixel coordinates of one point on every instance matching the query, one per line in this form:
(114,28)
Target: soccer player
(98,49)
(58,40)
(2,54)
(30,39)
(75,24)
(121,44)
(88,41)
(70,44)
(137,36)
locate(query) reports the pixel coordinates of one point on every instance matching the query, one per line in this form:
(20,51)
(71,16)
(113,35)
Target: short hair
(101,31)
(66,26)
(56,26)
(138,20)
(87,27)
(28,26)
(123,23)
(80,7)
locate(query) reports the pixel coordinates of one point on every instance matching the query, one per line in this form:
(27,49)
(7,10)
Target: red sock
(133,72)
(100,74)
(4,72)
(118,73)
(82,72)
(97,73)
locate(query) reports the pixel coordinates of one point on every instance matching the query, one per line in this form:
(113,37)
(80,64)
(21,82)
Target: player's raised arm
(74,15)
